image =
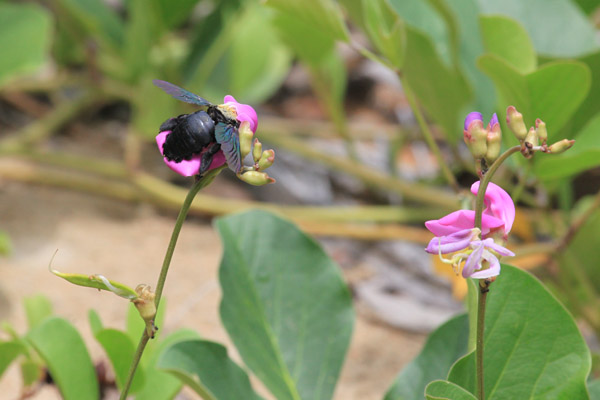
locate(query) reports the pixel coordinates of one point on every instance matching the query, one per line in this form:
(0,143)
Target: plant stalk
(185,207)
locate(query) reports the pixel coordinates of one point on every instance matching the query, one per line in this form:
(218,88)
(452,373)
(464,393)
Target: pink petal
(492,270)
(474,261)
(473,116)
(244,112)
(185,167)
(498,204)
(449,244)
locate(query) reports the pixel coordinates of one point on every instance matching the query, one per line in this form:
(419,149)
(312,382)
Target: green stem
(428,136)
(200,183)
(484,284)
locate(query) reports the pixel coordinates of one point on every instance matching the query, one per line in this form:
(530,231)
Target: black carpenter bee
(204,132)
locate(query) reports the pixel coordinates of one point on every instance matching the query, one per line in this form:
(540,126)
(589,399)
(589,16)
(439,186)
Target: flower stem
(484,284)
(200,183)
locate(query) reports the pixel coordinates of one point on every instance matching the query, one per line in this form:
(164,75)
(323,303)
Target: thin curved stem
(185,207)
(484,284)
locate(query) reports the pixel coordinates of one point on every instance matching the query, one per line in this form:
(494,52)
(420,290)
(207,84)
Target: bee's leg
(207,157)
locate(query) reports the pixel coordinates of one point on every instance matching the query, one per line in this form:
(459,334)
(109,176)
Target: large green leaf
(37,309)
(533,348)
(444,390)
(589,108)
(444,346)
(120,350)
(585,154)
(556,27)
(385,29)
(25,35)
(552,92)
(285,305)
(594,388)
(67,358)
(206,368)
(324,15)
(507,39)
(442,90)
(173,13)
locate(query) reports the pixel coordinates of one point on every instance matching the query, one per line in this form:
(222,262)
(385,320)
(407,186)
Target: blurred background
(363,102)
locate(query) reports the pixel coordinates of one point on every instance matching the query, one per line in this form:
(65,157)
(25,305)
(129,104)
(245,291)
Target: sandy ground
(127,243)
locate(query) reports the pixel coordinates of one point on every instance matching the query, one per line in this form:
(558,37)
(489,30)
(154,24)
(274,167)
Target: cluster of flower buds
(254,174)
(483,143)
(536,138)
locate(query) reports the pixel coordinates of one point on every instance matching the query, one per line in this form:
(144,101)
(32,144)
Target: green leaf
(159,384)
(120,350)
(97,282)
(533,348)
(447,390)
(135,324)
(443,347)
(589,108)
(65,354)
(285,305)
(173,14)
(324,15)
(9,351)
(385,29)
(25,35)
(205,367)
(551,93)
(97,19)
(95,322)
(428,76)
(584,155)
(556,27)
(507,39)
(37,309)
(423,18)
(141,33)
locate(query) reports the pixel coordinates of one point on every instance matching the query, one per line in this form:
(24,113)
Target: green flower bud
(257,150)
(475,137)
(531,140)
(266,159)
(514,119)
(146,307)
(246,136)
(561,146)
(540,128)
(494,142)
(256,178)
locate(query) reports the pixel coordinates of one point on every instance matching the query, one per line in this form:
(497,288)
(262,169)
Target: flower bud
(475,135)
(266,159)
(540,127)
(494,141)
(257,150)
(146,307)
(531,140)
(561,146)
(256,178)
(246,136)
(514,119)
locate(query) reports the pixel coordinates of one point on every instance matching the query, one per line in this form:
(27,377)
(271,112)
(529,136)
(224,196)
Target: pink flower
(191,167)
(498,214)
(456,232)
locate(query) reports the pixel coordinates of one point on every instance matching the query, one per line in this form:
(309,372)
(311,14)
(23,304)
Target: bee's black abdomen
(190,133)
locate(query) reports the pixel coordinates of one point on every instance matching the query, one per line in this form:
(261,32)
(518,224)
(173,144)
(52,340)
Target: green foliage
(9,351)
(552,93)
(120,349)
(507,39)
(533,348)
(385,29)
(284,305)
(25,35)
(594,389)
(62,349)
(446,390)
(556,27)
(443,347)
(205,367)
(5,244)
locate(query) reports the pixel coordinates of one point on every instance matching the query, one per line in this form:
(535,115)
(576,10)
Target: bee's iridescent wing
(181,94)
(228,137)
